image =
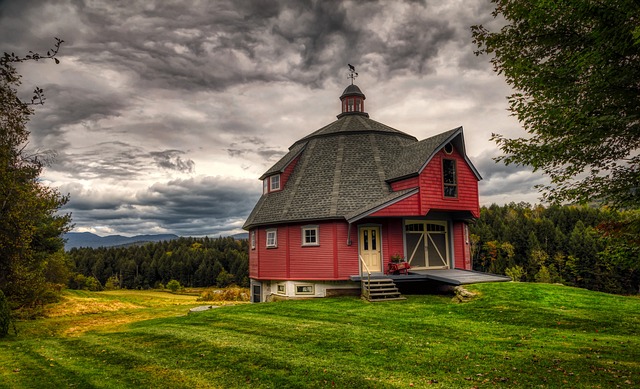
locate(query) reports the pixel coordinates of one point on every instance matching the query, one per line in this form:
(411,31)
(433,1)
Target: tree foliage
(575,67)
(192,262)
(30,229)
(575,245)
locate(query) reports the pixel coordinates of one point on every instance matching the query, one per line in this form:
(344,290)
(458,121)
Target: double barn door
(427,244)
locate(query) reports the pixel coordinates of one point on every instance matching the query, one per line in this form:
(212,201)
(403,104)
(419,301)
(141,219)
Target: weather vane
(352,73)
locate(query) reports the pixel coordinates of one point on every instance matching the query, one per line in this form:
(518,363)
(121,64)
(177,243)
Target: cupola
(352,99)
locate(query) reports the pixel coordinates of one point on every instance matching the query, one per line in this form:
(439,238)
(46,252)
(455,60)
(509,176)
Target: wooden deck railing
(368,275)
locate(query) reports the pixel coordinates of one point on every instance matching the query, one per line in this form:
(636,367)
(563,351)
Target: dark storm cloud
(215,45)
(171,159)
(501,179)
(148,88)
(72,105)
(199,206)
(119,160)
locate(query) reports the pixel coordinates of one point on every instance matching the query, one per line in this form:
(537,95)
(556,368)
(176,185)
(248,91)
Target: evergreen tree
(30,229)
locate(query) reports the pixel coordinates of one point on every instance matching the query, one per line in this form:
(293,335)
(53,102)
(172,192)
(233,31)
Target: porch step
(380,289)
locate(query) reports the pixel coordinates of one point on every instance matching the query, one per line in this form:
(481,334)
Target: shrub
(92,284)
(5,315)
(224,279)
(174,286)
(232,293)
(515,273)
(112,283)
(543,275)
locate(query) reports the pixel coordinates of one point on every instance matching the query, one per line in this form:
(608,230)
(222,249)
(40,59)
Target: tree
(30,229)
(575,66)
(174,286)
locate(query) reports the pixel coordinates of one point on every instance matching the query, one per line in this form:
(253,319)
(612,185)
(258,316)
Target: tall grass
(512,335)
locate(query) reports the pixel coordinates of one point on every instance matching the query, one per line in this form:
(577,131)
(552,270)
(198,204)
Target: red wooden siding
(333,259)
(407,207)
(284,177)
(253,255)
(394,236)
(431,186)
(461,247)
(312,262)
(408,183)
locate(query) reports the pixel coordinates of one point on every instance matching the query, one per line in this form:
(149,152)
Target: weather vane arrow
(352,73)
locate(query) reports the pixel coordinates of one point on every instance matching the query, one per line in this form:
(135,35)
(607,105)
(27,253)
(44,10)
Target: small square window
(275,182)
(272,238)
(310,236)
(281,288)
(253,240)
(304,289)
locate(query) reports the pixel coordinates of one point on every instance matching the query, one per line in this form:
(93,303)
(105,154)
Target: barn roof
(344,169)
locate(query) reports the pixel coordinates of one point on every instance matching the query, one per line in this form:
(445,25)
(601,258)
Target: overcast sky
(163,114)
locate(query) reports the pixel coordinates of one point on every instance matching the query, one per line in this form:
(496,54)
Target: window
(265,186)
(281,288)
(448,148)
(272,238)
(253,240)
(310,236)
(275,182)
(304,289)
(449,178)
(350,105)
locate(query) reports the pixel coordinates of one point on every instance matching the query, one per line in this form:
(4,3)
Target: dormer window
(275,182)
(265,186)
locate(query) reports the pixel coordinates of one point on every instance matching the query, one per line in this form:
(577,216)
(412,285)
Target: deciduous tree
(30,229)
(575,69)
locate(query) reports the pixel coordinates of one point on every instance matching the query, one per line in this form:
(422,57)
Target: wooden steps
(380,289)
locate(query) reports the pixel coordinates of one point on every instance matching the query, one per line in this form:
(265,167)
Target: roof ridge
(296,184)
(337,177)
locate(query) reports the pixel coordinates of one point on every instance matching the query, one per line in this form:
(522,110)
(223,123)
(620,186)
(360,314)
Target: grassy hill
(512,335)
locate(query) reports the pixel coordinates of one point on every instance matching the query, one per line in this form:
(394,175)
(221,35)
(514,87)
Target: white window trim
(312,292)
(253,239)
(304,236)
(272,186)
(275,238)
(265,186)
(281,284)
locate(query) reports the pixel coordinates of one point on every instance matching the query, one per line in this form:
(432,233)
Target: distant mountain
(87,239)
(242,235)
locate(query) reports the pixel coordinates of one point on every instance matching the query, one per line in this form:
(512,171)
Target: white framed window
(281,288)
(310,236)
(304,289)
(253,240)
(265,186)
(275,182)
(272,238)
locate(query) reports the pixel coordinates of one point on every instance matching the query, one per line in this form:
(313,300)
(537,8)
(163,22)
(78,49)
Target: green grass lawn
(512,335)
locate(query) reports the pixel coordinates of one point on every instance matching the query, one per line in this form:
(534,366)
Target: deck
(445,276)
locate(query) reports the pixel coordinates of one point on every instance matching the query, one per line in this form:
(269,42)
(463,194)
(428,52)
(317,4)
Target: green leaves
(575,67)
(29,228)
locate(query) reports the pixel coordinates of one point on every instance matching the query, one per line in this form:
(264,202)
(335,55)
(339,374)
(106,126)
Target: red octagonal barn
(355,195)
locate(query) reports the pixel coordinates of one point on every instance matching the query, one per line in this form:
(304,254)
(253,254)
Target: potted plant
(397,258)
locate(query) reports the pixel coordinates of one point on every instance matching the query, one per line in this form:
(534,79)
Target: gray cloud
(148,90)
(170,159)
(198,206)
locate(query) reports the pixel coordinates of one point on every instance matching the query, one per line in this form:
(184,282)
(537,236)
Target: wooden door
(370,249)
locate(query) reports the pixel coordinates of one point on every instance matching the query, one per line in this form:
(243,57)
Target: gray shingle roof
(344,170)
